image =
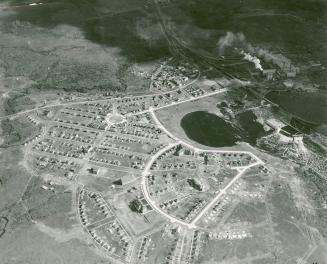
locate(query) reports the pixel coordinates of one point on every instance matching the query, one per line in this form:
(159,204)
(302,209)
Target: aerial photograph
(163,131)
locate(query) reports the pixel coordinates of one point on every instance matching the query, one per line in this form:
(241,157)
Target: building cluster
(173,255)
(173,182)
(132,105)
(216,176)
(72,133)
(263,169)
(285,66)
(122,153)
(92,108)
(217,210)
(33,119)
(155,149)
(193,210)
(81,119)
(49,186)
(104,227)
(184,247)
(229,234)
(256,195)
(176,158)
(229,159)
(196,245)
(80,136)
(32,140)
(313,161)
(67,149)
(170,203)
(239,189)
(160,190)
(169,166)
(67,120)
(292,151)
(113,145)
(144,248)
(146,131)
(114,239)
(127,142)
(92,207)
(59,166)
(108,161)
(118,157)
(109,138)
(170,77)
(194,91)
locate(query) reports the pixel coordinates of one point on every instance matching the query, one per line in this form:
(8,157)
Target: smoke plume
(256,61)
(228,40)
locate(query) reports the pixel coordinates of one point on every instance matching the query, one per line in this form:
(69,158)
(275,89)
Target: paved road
(192,99)
(97,100)
(196,149)
(221,193)
(179,141)
(144,184)
(146,172)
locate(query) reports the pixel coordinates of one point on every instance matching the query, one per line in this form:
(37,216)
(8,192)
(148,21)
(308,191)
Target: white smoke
(228,40)
(279,59)
(251,53)
(256,61)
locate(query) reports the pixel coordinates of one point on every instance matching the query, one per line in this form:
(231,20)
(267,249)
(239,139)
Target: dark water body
(310,107)
(251,130)
(210,130)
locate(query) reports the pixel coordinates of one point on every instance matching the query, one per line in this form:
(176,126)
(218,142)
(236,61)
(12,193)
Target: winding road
(147,168)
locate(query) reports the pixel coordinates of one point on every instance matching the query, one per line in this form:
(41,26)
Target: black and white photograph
(163,132)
